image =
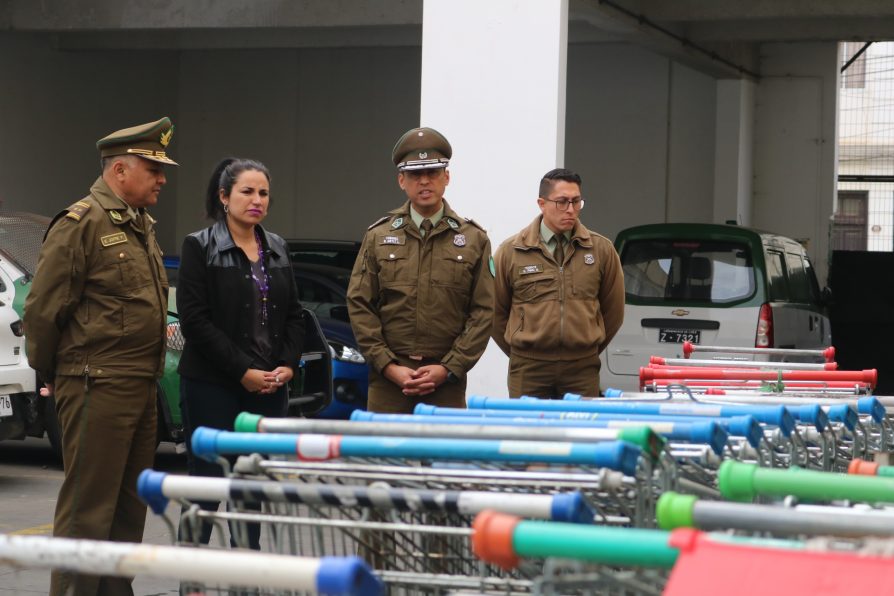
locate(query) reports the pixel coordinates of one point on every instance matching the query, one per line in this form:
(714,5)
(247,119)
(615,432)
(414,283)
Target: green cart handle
(504,539)
(743,482)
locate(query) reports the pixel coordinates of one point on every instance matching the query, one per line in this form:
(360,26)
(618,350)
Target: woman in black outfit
(239,314)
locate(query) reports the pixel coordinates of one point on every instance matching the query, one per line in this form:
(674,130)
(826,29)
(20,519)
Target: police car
(23,411)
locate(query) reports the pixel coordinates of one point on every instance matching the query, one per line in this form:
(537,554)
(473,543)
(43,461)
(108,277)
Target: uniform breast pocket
(454,267)
(121,272)
(535,289)
(393,263)
(585,281)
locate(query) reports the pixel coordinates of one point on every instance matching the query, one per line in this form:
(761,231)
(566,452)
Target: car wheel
(51,424)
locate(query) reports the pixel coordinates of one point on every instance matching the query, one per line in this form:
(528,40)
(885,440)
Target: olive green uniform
(553,318)
(95,320)
(418,300)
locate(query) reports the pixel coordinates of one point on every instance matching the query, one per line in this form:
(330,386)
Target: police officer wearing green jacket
(421,292)
(95,328)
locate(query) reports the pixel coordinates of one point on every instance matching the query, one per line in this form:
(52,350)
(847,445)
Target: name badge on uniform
(113,239)
(388,239)
(459,240)
(588,259)
(529,269)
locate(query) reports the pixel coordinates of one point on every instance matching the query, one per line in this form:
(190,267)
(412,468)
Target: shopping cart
(613,475)
(416,538)
(684,561)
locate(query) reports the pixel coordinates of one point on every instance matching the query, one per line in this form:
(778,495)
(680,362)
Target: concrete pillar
(734,136)
(493,81)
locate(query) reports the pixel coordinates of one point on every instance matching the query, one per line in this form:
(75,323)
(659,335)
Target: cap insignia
(452,223)
(459,240)
(166,136)
(423,155)
(115,215)
(397,223)
(588,259)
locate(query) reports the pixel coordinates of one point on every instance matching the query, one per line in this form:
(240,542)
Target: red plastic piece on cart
(492,538)
(862,467)
(714,391)
(830,366)
(656,360)
(688,349)
(709,566)
(829,353)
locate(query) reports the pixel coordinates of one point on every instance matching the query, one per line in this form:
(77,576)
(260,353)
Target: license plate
(678,336)
(5,406)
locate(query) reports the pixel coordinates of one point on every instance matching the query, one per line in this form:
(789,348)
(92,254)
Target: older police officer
(95,321)
(421,293)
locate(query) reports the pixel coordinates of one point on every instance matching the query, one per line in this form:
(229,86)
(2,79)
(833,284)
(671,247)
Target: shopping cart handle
(675,510)
(572,508)
(572,397)
(618,455)
(811,414)
(347,576)
(709,433)
(246,422)
(746,426)
(872,407)
(149,488)
(611,392)
(844,414)
(204,442)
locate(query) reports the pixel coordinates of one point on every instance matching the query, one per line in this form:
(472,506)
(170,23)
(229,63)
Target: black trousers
(214,406)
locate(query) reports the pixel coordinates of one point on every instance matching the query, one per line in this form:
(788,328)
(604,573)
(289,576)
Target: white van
(711,284)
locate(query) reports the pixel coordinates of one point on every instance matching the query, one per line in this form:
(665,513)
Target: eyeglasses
(562,204)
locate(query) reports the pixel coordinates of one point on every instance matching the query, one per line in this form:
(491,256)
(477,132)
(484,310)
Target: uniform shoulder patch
(474,223)
(77,210)
(379,222)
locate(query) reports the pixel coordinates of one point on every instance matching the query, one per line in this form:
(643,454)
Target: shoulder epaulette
(77,210)
(475,223)
(379,222)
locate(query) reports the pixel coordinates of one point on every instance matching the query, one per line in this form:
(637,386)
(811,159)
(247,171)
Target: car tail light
(764,336)
(18,328)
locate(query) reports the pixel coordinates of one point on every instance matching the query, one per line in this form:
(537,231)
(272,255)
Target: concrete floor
(29,481)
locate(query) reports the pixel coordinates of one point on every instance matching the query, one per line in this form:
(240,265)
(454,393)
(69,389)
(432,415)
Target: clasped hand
(419,382)
(266,382)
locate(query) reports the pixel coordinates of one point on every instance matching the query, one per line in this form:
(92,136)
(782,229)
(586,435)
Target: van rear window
(716,272)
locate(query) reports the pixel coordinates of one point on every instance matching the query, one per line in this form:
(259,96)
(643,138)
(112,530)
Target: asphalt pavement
(30,477)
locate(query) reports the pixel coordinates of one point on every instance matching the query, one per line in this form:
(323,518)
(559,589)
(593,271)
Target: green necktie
(559,253)
(425,227)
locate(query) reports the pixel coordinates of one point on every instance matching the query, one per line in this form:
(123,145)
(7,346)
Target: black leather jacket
(214,300)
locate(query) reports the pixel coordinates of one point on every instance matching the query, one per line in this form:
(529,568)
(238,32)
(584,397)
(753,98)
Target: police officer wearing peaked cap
(95,317)
(421,292)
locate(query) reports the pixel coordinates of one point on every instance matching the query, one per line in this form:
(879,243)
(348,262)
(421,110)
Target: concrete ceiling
(719,37)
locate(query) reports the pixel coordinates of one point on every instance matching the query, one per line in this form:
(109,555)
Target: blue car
(322,270)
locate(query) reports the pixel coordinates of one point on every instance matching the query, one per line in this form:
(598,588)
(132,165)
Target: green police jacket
(431,298)
(550,311)
(98,302)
